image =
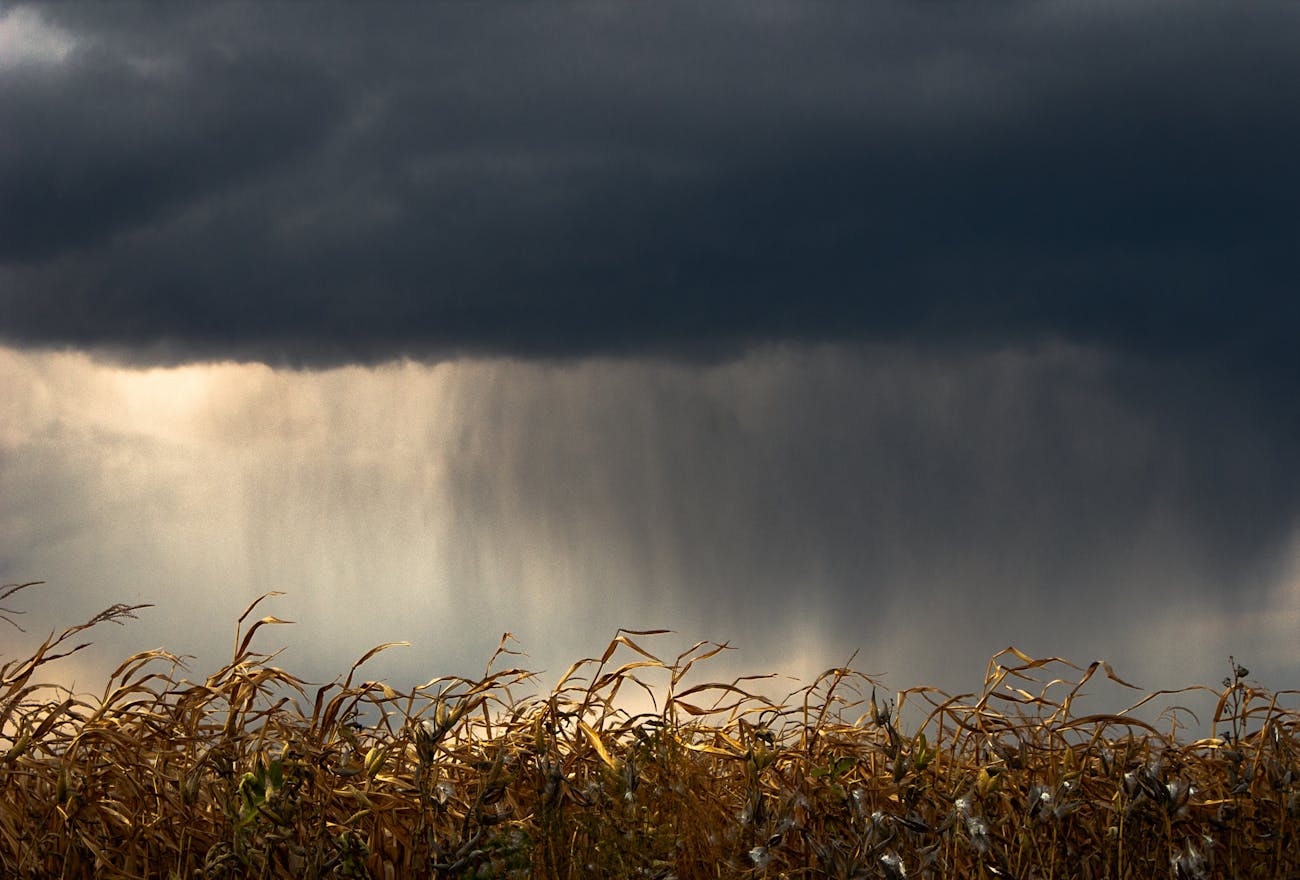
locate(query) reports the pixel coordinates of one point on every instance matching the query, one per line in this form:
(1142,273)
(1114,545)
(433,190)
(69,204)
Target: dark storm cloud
(101,148)
(314,188)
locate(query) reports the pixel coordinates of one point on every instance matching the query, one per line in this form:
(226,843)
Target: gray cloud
(660,180)
(102,148)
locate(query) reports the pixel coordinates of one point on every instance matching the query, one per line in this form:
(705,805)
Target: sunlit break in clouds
(906,330)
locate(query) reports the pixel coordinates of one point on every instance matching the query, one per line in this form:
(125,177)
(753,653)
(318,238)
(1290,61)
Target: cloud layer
(249,183)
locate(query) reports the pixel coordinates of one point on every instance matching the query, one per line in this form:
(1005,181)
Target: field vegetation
(252,772)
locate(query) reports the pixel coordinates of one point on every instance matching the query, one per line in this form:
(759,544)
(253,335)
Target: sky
(910,329)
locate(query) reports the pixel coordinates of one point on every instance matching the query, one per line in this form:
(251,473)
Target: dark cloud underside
(264,183)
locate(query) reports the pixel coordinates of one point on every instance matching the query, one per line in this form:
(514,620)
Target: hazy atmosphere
(910,329)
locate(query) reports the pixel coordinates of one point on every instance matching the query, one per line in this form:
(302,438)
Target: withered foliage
(254,773)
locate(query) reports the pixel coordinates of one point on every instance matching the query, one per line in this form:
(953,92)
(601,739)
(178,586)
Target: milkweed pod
(893,866)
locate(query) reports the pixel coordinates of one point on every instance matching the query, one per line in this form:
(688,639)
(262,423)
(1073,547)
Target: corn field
(252,772)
